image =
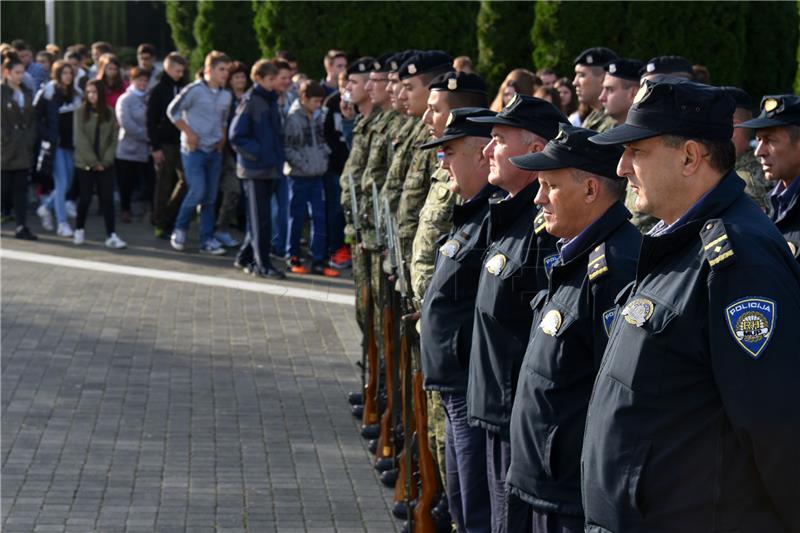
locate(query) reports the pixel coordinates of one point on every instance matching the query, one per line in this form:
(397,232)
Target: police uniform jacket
(694,421)
(449,304)
(568,336)
(514,269)
(788,219)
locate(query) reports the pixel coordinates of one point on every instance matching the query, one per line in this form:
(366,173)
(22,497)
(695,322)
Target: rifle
(422,520)
(385,457)
(369,351)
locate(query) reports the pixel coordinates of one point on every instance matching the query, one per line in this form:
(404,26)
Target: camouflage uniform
(749,169)
(598,121)
(362,136)
(416,185)
(435,220)
(642,221)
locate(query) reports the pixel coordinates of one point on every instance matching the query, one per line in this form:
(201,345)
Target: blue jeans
(201,170)
(280,215)
(465,467)
(333,212)
(63,172)
(509,512)
(305,192)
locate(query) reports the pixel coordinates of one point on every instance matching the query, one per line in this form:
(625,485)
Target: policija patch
(752,321)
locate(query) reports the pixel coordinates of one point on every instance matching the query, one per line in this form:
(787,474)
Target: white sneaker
(71,208)
(178,240)
(115,242)
(46,218)
(225,239)
(78,238)
(212,248)
(64,230)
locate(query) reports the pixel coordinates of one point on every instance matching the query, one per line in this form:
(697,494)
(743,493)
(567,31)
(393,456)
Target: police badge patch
(551,322)
(608,320)
(752,321)
(496,264)
(450,248)
(638,311)
(549,262)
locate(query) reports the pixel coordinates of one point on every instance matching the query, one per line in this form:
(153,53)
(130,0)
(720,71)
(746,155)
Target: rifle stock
(429,482)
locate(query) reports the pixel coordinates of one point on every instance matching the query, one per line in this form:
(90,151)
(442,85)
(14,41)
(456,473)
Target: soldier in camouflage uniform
(448,91)
(747,166)
(589,84)
(357,77)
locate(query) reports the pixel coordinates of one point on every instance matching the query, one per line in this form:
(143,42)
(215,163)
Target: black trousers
(258,239)
(103,182)
(15,188)
(130,175)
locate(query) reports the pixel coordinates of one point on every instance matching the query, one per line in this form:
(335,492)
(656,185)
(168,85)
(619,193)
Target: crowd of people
(594,278)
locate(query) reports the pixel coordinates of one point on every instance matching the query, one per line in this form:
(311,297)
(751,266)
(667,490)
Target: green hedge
(771,60)
(500,26)
(224,26)
(180,17)
(23,20)
(309,29)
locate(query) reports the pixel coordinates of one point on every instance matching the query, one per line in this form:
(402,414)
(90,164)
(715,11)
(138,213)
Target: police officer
(747,166)
(588,84)
(447,314)
(674,66)
(515,267)
(694,422)
(778,133)
(579,192)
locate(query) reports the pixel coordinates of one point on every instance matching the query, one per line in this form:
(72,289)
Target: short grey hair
(615,187)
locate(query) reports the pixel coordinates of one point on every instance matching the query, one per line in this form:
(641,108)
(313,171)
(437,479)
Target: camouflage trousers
(360,279)
(436,436)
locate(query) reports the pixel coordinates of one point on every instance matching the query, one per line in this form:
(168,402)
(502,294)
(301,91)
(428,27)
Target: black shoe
(358,411)
(371,431)
(25,234)
(355,398)
(384,464)
(389,478)
(372,446)
(270,272)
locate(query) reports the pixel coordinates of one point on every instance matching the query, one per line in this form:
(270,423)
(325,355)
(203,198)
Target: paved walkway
(133,403)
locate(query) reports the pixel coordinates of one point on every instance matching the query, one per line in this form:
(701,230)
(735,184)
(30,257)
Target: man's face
(174,70)
(562,199)
(548,80)
(588,83)
(218,74)
(468,168)
(15,74)
(267,82)
(311,104)
(507,142)
(652,169)
(377,88)
(414,96)
(145,61)
(615,98)
(778,155)
(336,67)
(357,87)
(394,89)
(436,114)
(44,62)
(283,80)
(26,56)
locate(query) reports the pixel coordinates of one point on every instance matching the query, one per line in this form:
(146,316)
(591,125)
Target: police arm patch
(752,322)
(549,262)
(608,320)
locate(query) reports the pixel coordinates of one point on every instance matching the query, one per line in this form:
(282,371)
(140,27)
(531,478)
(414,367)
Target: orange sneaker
(296,266)
(322,270)
(341,258)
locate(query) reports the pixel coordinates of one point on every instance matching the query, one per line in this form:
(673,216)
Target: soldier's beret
(571,149)
(459,126)
(425,62)
(670,65)
(739,96)
(776,110)
(458,82)
(624,68)
(397,60)
(382,64)
(596,56)
(529,113)
(674,106)
(363,65)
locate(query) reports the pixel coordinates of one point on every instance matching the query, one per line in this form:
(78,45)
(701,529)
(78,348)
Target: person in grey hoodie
(307,156)
(201,111)
(132,149)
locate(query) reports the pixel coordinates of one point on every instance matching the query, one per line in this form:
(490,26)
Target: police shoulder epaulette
(598,266)
(538,223)
(716,245)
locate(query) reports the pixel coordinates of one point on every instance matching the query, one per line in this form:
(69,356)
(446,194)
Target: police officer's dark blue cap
(363,65)
(459,126)
(529,113)
(624,68)
(426,62)
(776,110)
(571,149)
(458,82)
(674,106)
(667,65)
(596,56)
(739,96)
